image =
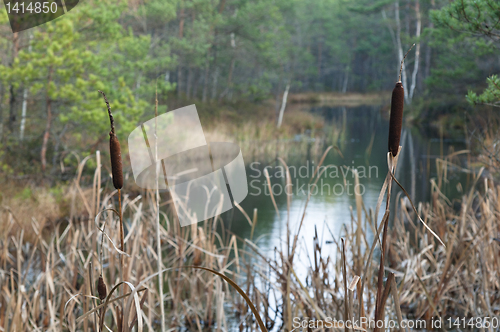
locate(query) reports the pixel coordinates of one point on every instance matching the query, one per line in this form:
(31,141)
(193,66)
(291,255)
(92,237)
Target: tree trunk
(417,50)
(189,82)
(400,48)
(320,53)
(179,68)
(205,80)
(43,154)
(12,101)
(391,32)
(214,84)
(278,91)
(181,21)
(56,148)
(1,112)
(346,79)
(227,91)
(25,101)
(196,83)
(407,18)
(179,80)
(46,135)
(12,111)
(23,114)
(283,105)
(428,52)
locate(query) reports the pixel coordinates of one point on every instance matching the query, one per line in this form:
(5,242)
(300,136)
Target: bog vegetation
(228,53)
(82,249)
(68,278)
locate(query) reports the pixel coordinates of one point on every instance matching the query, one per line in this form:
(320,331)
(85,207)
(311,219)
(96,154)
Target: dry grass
(340,99)
(261,139)
(49,283)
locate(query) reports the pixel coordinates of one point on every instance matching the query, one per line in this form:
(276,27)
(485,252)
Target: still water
(361,144)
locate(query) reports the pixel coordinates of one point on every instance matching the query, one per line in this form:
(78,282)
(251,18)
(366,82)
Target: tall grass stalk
(157,216)
(420,267)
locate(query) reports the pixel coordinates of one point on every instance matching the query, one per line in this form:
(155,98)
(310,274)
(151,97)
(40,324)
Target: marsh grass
(79,277)
(46,281)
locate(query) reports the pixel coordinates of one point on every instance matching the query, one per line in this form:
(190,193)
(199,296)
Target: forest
(223,52)
(367,131)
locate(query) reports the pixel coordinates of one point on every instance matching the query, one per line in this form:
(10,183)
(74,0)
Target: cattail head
(114,150)
(397,105)
(101,289)
(197,257)
(396,118)
(116,160)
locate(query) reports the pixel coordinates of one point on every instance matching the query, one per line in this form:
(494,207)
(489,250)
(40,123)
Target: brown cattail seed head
(116,160)
(114,149)
(101,288)
(396,119)
(197,259)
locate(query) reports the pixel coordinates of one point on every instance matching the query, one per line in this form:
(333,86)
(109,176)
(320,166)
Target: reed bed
(51,283)
(123,263)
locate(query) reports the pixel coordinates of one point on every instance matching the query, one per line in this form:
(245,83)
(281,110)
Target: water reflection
(361,139)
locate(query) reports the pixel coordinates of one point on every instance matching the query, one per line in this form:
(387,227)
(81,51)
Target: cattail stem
(117,172)
(111,120)
(402,62)
(392,162)
(157,217)
(122,244)
(121,221)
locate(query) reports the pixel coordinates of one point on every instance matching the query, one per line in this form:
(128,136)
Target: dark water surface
(362,141)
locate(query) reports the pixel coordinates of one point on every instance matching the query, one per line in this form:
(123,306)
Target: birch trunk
(46,134)
(400,48)
(283,105)
(428,53)
(23,114)
(417,50)
(25,102)
(12,100)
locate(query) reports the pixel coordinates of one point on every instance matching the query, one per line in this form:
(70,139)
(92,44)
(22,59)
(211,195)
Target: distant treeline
(228,50)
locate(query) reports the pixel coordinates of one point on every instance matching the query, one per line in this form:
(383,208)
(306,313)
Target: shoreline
(351,99)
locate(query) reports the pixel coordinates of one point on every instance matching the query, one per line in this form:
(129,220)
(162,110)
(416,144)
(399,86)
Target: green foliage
(477,17)
(69,59)
(225,50)
(469,30)
(490,95)
(24,194)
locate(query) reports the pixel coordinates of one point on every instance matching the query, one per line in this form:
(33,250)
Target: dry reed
(45,276)
(47,283)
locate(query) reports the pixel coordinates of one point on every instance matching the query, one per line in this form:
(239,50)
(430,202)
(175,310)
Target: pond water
(361,138)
